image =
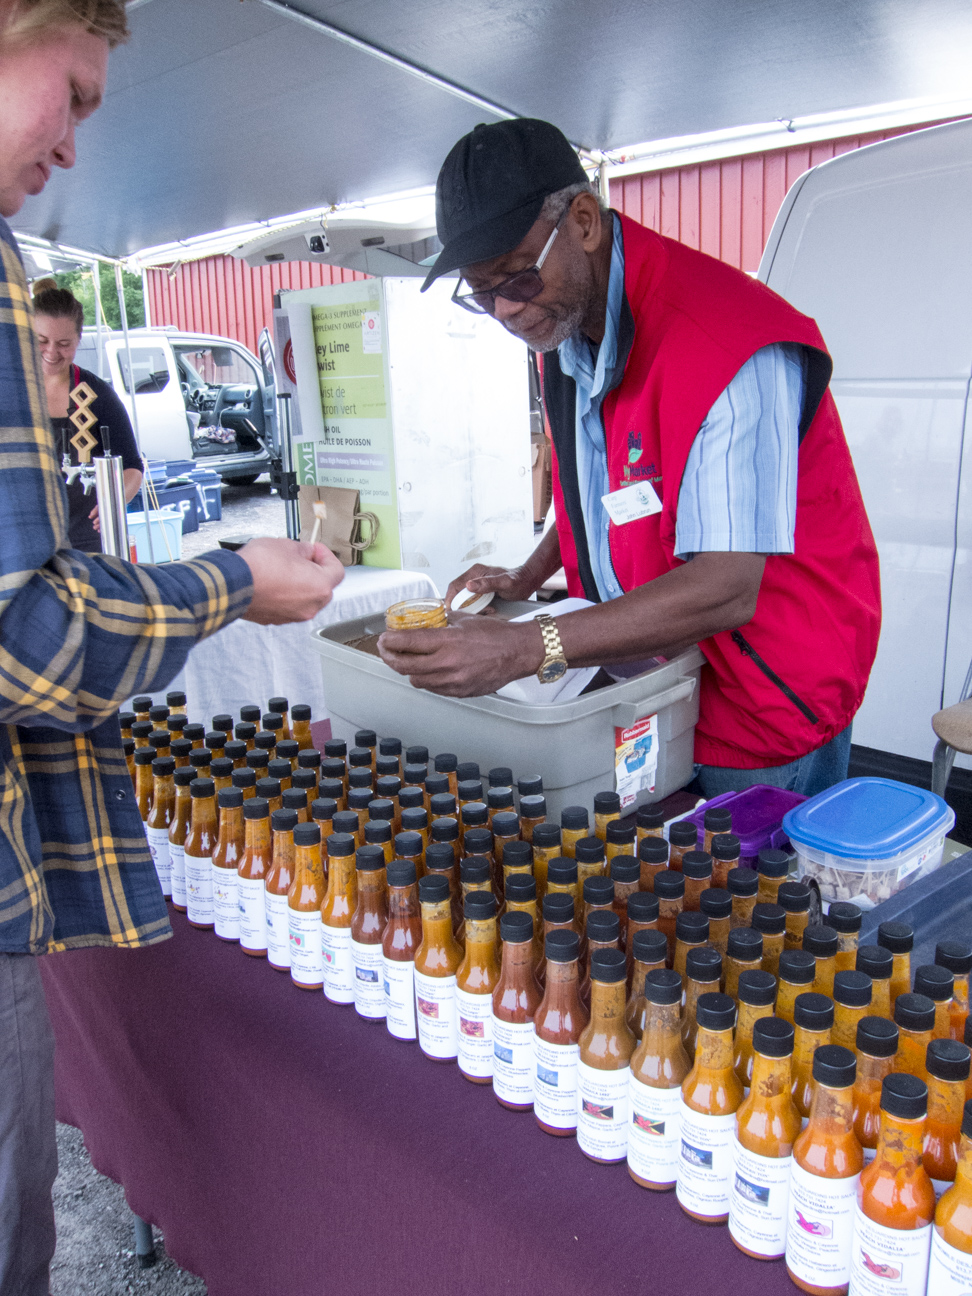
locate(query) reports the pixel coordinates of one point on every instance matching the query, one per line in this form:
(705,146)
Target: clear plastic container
(416,614)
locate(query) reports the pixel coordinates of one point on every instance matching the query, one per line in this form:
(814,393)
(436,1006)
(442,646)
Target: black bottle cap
(361,799)
(530,785)
(436,784)
(533,807)
(439,856)
(608,966)
(235,751)
(176,723)
(561,946)
(662,986)
(467,770)
(834,1066)
(726,846)
(479,905)
(947,1059)
(368,858)
(852,989)
(401,873)
(300,711)
(176,698)
(336,747)
(229,798)
(769,919)
(244,731)
(390,747)
(598,891)
(562,872)
(414,818)
(603,925)
(967,1116)
(376,832)
(650,946)
(703,964)
(286,750)
(589,850)
(215,739)
(306,780)
(158,714)
(388,787)
(516,854)
(265,740)
(283,820)
(444,831)
(477,841)
(434,888)
(414,775)
(366,738)
(875,960)
(813,1012)
(619,833)
(904,1096)
(697,864)
(163,766)
(307,834)
(256,808)
(653,850)
(898,937)
(714,902)
(820,941)
(650,818)
(474,870)
(757,988)
(381,808)
(521,887)
(126,719)
(201,787)
(178,747)
(669,885)
(914,1012)
(506,824)
(516,928)
(798,967)
(558,907)
(743,882)
(545,835)
(772,1036)
(471,791)
(161,738)
(684,833)
(643,907)
(954,955)
(128,746)
(194,731)
(142,702)
(715,1012)
(411,798)
(772,863)
(417,755)
(794,897)
(387,767)
(500,776)
(501,798)
(934,981)
(142,728)
(745,944)
(278,705)
(323,809)
(333,767)
(272,721)
(279,769)
(607,803)
(330,788)
(693,928)
(844,917)
(358,757)
(345,822)
(625,869)
(717,819)
(183,776)
(250,713)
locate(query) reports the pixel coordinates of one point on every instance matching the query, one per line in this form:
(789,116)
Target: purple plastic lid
(757,817)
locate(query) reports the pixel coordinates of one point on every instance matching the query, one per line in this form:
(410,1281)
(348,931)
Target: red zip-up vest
(794,676)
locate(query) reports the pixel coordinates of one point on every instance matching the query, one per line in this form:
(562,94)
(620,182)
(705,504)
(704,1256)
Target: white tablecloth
(251,663)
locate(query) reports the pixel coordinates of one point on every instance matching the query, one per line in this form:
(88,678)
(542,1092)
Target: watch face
(552,671)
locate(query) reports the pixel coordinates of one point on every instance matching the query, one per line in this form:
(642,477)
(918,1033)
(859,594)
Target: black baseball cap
(491,188)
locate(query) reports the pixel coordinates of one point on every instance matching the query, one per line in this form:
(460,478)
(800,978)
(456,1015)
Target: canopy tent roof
(220,113)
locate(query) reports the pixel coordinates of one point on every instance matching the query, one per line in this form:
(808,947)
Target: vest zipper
(749,651)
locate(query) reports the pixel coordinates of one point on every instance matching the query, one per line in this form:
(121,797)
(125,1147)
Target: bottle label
(949,1270)
(278,930)
(177,874)
(820,1227)
(306,959)
(435,1004)
(253,913)
(886,1259)
(602,1112)
(226,903)
(199,888)
(475,1033)
(555,1083)
(400,998)
(158,840)
(338,964)
(369,980)
(513,1061)
(704,1173)
(758,1201)
(653,1132)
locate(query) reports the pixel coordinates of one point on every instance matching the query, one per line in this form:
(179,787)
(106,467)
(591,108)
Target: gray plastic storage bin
(570,744)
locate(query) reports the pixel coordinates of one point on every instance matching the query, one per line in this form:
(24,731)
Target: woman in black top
(58,319)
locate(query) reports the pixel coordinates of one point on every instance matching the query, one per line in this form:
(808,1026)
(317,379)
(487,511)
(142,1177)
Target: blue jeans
(809,775)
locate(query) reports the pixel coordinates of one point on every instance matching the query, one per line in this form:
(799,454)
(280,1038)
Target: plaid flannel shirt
(79,633)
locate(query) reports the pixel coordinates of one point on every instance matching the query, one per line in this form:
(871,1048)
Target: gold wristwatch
(554,663)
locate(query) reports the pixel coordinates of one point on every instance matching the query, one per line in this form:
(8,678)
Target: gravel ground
(247,510)
(95,1245)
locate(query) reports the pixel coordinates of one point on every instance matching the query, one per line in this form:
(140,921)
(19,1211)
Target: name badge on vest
(632,502)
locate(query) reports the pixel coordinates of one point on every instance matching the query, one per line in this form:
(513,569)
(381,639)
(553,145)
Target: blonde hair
(100,17)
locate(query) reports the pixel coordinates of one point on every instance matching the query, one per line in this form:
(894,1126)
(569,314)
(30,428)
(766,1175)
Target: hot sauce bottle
(796,973)
(140,734)
(877,1044)
(517,858)
(670,893)
(436,963)
(626,876)
(533,811)
(125,721)
(391,747)
(337,913)
(914,1016)
(794,898)
(682,836)
(703,971)
(276,888)
(876,962)
(619,839)
(711,1095)
(304,902)
(403,935)
(558,1024)
(516,999)
(744,953)
(767,1125)
(642,915)
(755,996)
(725,858)
(650,953)
(142,705)
(440,858)
(716,905)
(697,872)
(607,809)
(475,875)
(658,1066)
(813,1017)
(772,867)
(603,931)
(279,706)
(300,716)
(743,885)
(546,847)
(852,1002)
(591,859)
(562,878)
(845,918)
(821,942)
(899,939)
(950,1267)
(770,921)
(245,780)
(521,897)
(367,930)
(606,1046)
(200,843)
(691,932)
(716,822)
(144,756)
(895,1199)
(476,980)
(447,763)
(957,958)
(936,983)
(227,857)
(947,1064)
(650,822)
(827,1163)
(558,913)
(653,858)
(409,846)
(178,831)
(160,818)
(505,828)
(254,867)
(574,825)
(128,747)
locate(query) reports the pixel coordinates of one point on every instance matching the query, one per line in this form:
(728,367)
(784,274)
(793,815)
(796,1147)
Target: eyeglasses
(520,287)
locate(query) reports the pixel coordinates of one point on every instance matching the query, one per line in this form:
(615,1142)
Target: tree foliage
(81,284)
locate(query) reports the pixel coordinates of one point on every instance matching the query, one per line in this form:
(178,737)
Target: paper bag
(346,531)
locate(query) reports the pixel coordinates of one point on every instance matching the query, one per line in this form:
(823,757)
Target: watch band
(552,646)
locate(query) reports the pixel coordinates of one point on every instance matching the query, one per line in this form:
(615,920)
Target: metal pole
(112,515)
(99,317)
(123,312)
(292,507)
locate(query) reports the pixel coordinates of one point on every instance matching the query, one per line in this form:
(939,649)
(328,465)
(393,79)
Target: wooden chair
(953,727)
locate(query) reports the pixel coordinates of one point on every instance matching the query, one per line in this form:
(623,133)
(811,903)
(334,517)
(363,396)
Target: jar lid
(413,818)
(516,854)
(574,817)
(558,907)
(228,799)
(934,981)
(852,989)
(332,746)
(794,897)
(834,1066)
(477,841)
(464,770)
(650,946)
(589,850)
(256,808)
(745,944)
(444,831)
(877,1037)
(163,766)
(561,946)
(772,1037)
(947,1059)
(598,891)
(500,776)
(608,966)
(692,928)
(562,871)
(442,803)
(650,817)
(697,864)
(381,808)
(309,834)
(244,778)
(324,808)
(652,850)
(813,1012)
(772,863)
(299,711)
(820,941)
(474,870)
(769,919)
(545,835)
(401,873)
(603,925)
(531,807)
(445,762)
(717,819)
(184,776)
(668,885)
(663,987)
(625,869)
(434,889)
(377,830)
(408,844)
(521,887)
(309,758)
(479,905)
(506,824)
(345,821)
(703,964)
(471,792)
(439,855)
(904,1096)
(417,755)
(501,798)
(898,937)
(619,833)
(607,803)
(714,902)
(643,907)
(798,967)
(529,785)
(294,799)
(844,917)
(725,846)
(202,787)
(743,882)
(283,821)
(875,960)
(757,988)
(914,1012)
(715,1012)
(683,832)
(387,746)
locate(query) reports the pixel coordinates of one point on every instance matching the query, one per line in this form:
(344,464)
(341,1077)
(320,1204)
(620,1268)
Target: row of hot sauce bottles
(663,1004)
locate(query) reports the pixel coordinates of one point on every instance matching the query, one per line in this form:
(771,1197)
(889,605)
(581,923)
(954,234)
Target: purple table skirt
(284,1145)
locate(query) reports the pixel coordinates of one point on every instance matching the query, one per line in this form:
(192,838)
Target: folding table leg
(144,1243)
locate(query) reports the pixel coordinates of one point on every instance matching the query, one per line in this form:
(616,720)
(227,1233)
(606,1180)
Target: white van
(876,245)
(198,397)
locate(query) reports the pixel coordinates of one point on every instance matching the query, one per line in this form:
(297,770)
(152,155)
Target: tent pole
(99,315)
(120,290)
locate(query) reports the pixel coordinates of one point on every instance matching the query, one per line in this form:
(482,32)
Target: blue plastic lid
(868,818)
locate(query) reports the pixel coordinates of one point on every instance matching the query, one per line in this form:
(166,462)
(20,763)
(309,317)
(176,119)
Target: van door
(958,653)
(269,365)
(162,428)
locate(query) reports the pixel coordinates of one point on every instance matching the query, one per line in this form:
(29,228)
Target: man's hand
(509,583)
(292,580)
(474,656)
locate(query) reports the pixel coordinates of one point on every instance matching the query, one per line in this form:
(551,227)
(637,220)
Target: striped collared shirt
(79,633)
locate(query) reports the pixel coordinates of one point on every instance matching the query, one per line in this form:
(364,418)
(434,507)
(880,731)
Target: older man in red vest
(704,490)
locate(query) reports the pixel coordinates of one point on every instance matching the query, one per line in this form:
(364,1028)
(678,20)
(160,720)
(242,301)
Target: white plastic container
(166,526)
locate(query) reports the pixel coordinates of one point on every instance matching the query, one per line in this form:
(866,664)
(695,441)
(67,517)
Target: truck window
(215,366)
(150,368)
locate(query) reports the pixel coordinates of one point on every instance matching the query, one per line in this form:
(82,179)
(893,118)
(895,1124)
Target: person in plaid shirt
(79,633)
